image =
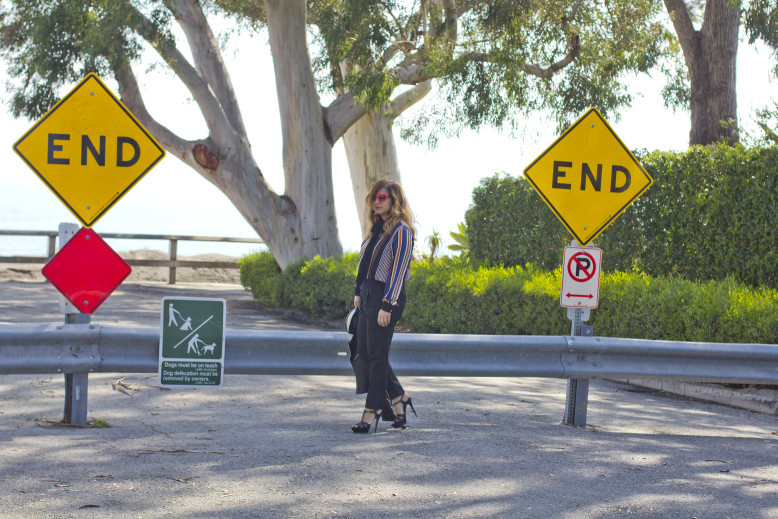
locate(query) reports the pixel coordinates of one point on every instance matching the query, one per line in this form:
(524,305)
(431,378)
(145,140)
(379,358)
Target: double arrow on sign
(590,296)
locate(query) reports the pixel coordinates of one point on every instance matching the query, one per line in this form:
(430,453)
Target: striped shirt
(390,262)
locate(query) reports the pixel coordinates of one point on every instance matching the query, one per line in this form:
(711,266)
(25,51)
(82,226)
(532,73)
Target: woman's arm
(402,247)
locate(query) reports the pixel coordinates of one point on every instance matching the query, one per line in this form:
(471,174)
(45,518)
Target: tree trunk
(299,224)
(711,57)
(307,153)
(370,148)
(372,156)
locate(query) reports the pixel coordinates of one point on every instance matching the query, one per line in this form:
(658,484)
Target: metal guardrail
(76,350)
(92,348)
(171,263)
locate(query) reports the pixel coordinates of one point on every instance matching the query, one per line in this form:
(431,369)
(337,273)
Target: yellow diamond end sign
(89,149)
(588,177)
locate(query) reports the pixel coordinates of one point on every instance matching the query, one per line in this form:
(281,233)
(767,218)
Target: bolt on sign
(86,270)
(588,177)
(191,346)
(89,150)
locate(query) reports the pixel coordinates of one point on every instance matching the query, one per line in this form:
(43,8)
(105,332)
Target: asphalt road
(281,447)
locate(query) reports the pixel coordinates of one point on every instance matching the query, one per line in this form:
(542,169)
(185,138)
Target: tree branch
(684,29)
(394,18)
(450,12)
(411,72)
(405,46)
(213,113)
(341,114)
(407,99)
(572,15)
(208,58)
(467,6)
(573,49)
(132,98)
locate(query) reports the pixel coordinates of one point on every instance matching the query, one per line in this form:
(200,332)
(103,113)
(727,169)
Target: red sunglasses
(381,198)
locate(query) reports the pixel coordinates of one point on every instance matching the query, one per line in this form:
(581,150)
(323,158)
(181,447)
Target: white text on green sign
(192,341)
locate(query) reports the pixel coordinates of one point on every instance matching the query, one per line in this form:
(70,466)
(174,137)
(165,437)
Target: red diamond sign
(86,270)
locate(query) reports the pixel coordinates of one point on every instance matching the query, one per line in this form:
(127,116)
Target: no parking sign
(581,277)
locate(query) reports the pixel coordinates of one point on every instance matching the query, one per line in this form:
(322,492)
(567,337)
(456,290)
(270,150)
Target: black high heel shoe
(363,426)
(401,419)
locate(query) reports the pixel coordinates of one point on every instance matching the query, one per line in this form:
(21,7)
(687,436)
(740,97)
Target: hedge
(450,295)
(323,287)
(509,224)
(711,213)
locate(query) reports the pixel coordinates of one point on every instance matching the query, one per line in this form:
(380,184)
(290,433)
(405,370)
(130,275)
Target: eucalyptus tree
(50,44)
(710,53)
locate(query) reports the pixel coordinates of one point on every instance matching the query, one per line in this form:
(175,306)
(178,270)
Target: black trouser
(373,342)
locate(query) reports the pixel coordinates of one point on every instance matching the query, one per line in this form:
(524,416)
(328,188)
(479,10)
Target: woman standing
(384,267)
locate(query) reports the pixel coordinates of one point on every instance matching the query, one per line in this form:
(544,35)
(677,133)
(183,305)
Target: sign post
(577,402)
(587,177)
(191,346)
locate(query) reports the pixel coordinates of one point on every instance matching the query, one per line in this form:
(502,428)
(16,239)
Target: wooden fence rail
(172,263)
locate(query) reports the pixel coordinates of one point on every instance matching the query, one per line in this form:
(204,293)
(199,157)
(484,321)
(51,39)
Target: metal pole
(52,245)
(577,401)
(76,384)
(66,231)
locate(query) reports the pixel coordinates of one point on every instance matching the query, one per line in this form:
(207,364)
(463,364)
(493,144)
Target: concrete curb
(752,399)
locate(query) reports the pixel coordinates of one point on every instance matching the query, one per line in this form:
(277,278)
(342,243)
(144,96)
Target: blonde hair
(400,210)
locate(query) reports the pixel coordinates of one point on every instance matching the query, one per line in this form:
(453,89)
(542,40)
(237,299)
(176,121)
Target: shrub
(260,274)
(639,306)
(326,286)
(711,213)
(323,287)
(452,295)
(509,224)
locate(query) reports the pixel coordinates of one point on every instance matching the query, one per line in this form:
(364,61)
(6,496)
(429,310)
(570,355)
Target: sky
(173,199)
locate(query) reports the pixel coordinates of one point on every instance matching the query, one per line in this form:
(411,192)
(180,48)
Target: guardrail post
(76,384)
(577,401)
(171,275)
(76,388)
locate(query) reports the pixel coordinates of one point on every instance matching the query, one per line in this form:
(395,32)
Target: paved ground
(138,304)
(280,446)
